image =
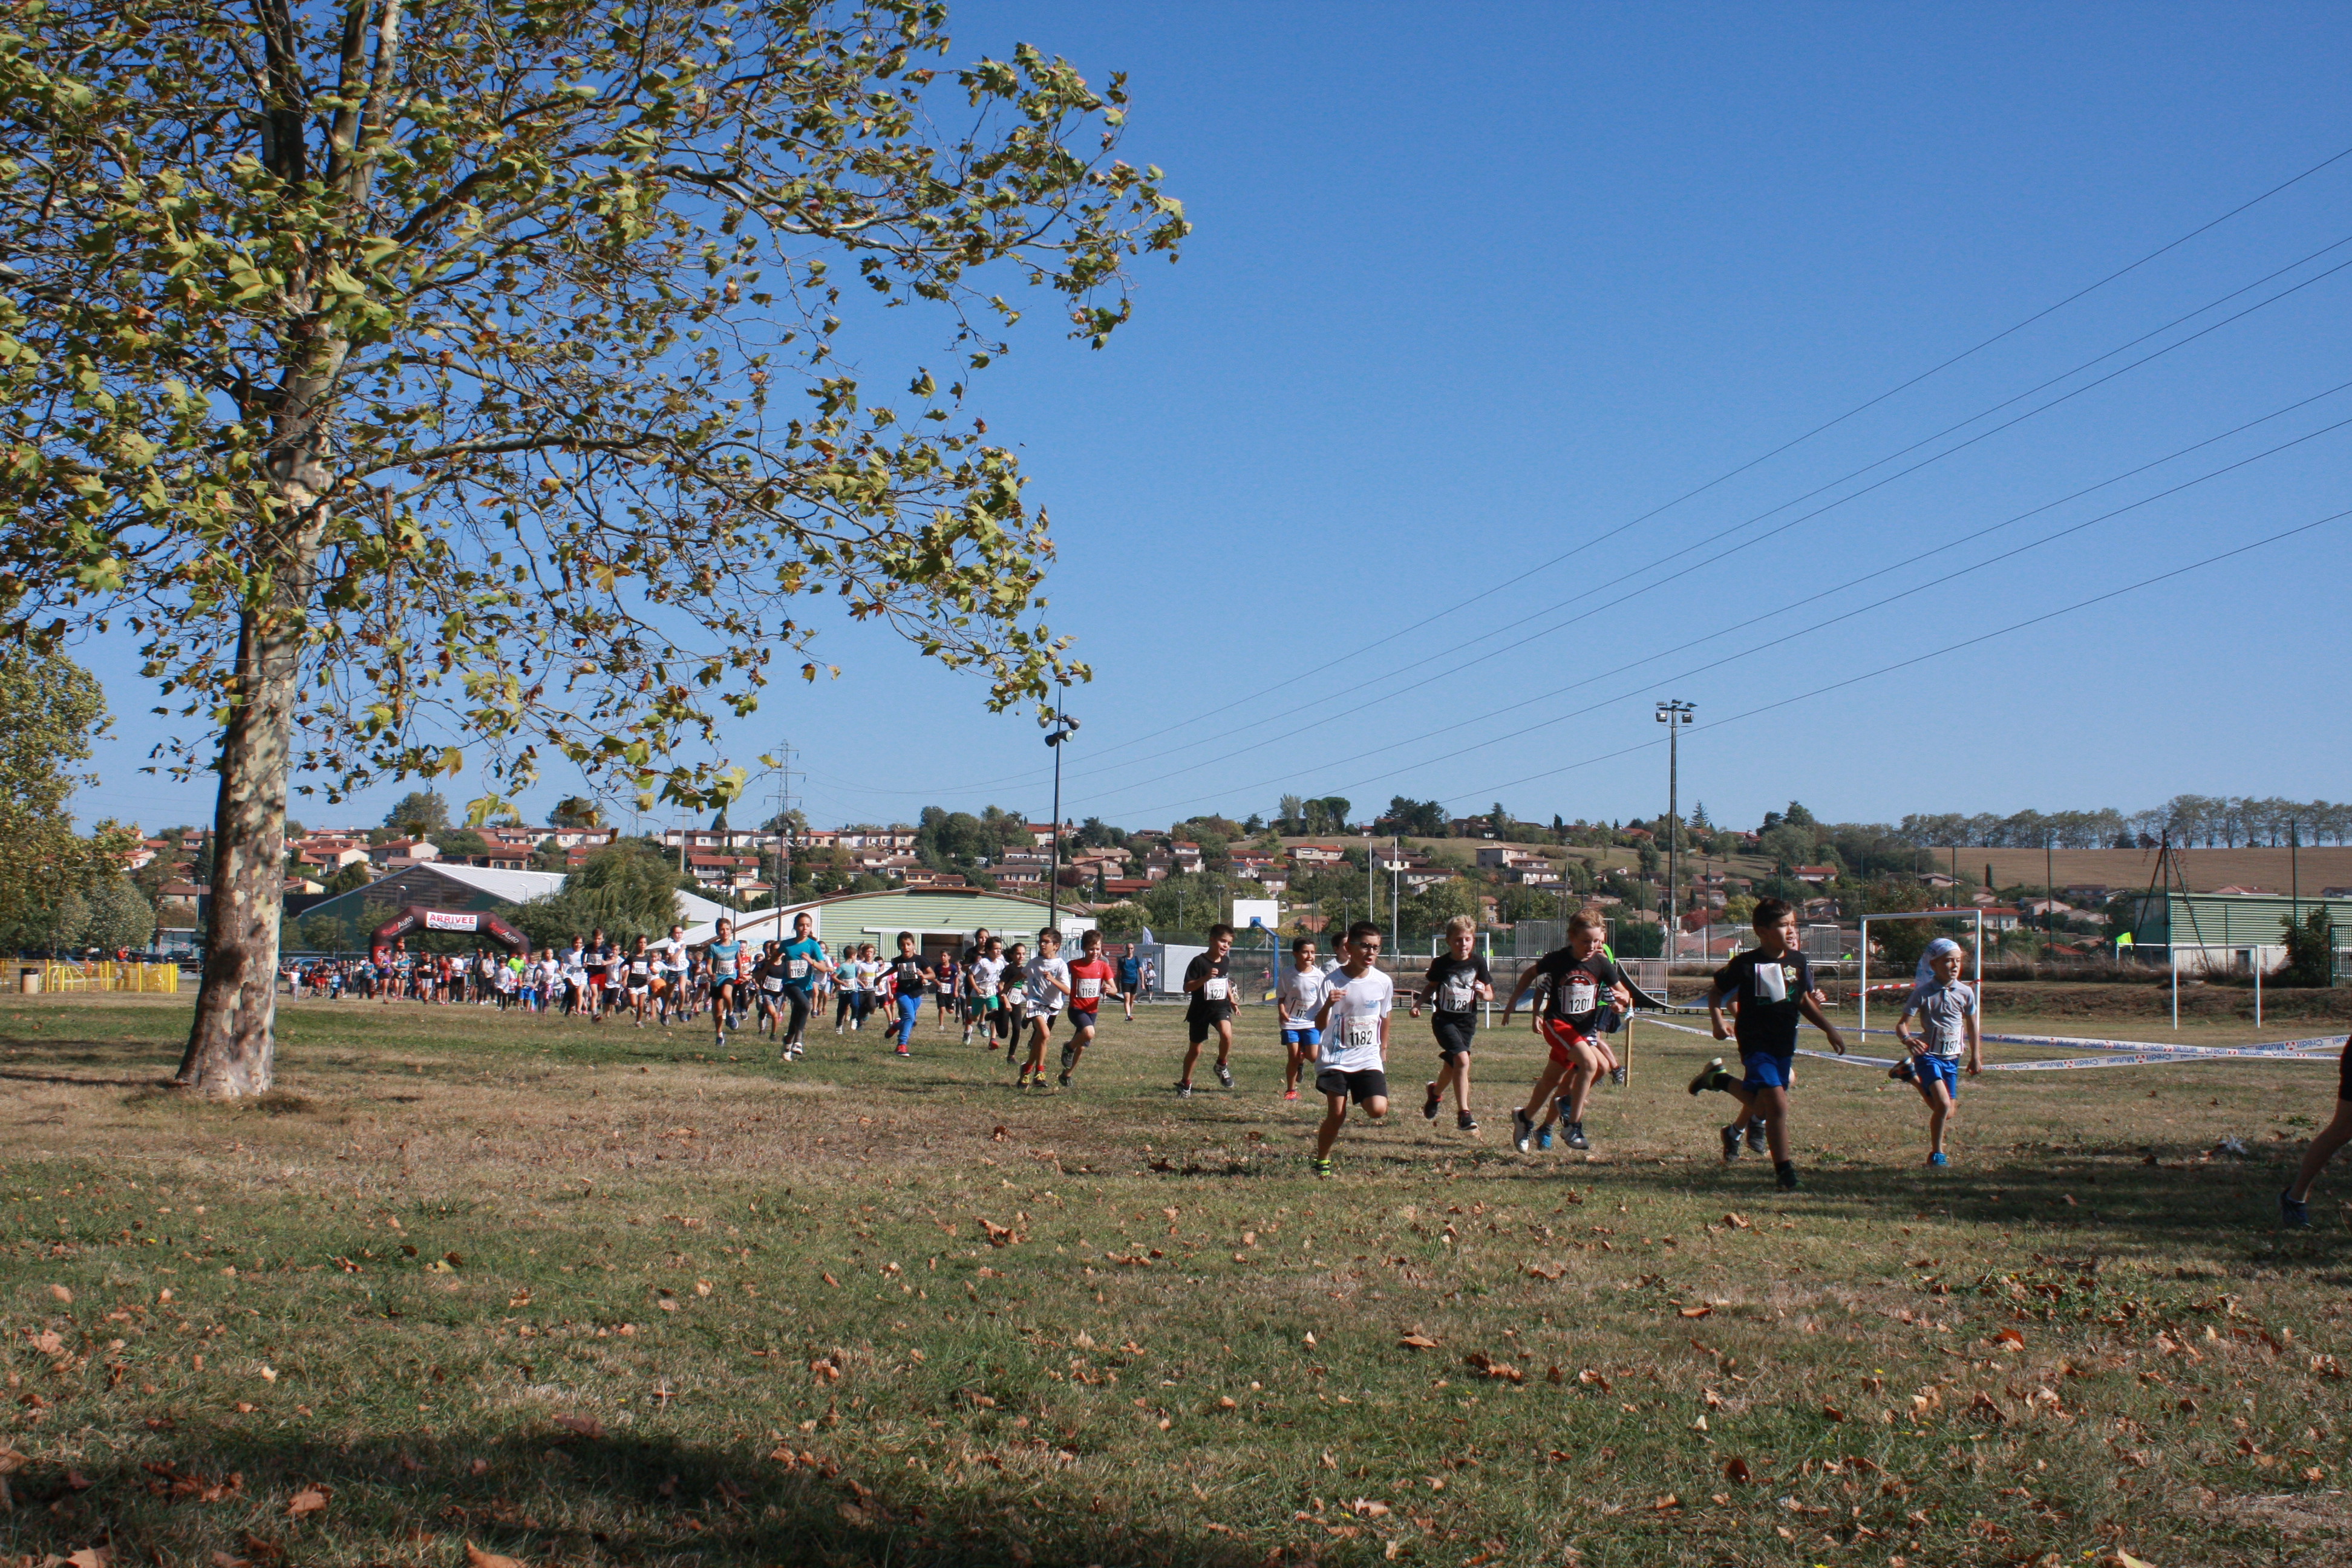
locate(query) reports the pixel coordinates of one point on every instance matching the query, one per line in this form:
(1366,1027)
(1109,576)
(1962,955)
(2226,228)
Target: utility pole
(1396,886)
(785,802)
(1674,715)
(1064,727)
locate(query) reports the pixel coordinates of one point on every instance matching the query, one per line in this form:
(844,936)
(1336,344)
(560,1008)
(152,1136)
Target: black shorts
(1369,1084)
(1000,1022)
(1080,1022)
(1453,1031)
(2344,1071)
(1203,1025)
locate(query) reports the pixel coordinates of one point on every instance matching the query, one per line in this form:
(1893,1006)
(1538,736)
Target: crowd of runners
(1334,1012)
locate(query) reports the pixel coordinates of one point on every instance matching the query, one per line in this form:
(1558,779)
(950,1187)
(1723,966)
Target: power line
(1724,534)
(1922,658)
(1820,626)
(1785,447)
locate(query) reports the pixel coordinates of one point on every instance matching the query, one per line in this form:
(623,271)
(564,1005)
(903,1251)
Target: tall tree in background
(404,387)
(50,707)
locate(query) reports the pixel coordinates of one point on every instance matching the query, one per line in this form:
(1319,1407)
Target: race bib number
(1213,989)
(1457,996)
(1772,983)
(1363,1034)
(798,968)
(1583,996)
(1089,988)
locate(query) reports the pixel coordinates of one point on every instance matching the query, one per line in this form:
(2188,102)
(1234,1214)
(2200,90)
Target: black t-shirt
(1766,1022)
(1218,979)
(908,974)
(1579,986)
(1448,986)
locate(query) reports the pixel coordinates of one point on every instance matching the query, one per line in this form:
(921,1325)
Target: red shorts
(1561,1036)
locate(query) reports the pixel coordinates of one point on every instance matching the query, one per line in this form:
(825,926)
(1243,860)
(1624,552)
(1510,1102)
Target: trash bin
(29,981)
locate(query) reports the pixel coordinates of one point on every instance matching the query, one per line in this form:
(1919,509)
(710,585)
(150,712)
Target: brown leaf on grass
(89,1556)
(1369,1509)
(999,1136)
(1667,1501)
(478,1558)
(1553,1374)
(1485,1366)
(586,1427)
(1832,1413)
(1697,1311)
(829,1279)
(62,1294)
(998,1235)
(1417,1340)
(47,1341)
(1737,1221)
(1589,1376)
(1538,1271)
(1984,1404)
(1736,1470)
(309,1500)
(223,1560)
(2010,1337)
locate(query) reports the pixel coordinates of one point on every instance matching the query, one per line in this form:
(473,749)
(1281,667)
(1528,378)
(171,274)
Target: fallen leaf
(1737,1221)
(223,1560)
(2009,1337)
(309,1500)
(62,1294)
(47,1342)
(1369,1509)
(581,1425)
(1667,1501)
(1308,1341)
(268,1374)
(1833,1412)
(1417,1340)
(1735,1470)
(1697,1311)
(478,1558)
(89,1556)
(998,1235)
(829,1279)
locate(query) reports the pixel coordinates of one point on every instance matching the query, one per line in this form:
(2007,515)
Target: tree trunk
(231,1049)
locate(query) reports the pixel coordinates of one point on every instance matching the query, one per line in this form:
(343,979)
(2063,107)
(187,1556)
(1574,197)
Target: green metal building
(2219,931)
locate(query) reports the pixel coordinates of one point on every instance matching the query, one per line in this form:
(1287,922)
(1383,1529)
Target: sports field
(582,1295)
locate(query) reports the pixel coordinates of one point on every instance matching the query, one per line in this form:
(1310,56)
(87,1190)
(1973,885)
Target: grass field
(582,1295)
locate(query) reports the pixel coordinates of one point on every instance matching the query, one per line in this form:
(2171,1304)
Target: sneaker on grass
(2294,1213)
(1183,1091)
(1428,1102)
(1730,1144)
(1704,1080)
(1543,1136)
(1465,1123)
(1319,1163)
(1523,1130)
(1756,1135)
(1576,1139)
(1224,1075)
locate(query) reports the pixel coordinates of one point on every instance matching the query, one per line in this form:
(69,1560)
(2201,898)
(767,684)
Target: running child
(768,989)
(1049,987)
(912,977)
(1771,985)
(2295,1201)
(1946,1006)
(1091,978)
(1209,984)
(1584,982)
(805,966)
(721,953)
(985,973)
(1013,989)
(974,1010)
(1130,980)
(1352,1029)
(948,975)
(641,979)
(1298,994)
(1456,982)
(672,998)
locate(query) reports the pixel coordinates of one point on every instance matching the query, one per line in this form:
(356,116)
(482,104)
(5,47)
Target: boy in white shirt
(1352,1023)
(1299,993)
(1950,1033)
(1049,986)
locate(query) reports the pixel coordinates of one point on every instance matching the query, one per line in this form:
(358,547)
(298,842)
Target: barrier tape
(2129,1053)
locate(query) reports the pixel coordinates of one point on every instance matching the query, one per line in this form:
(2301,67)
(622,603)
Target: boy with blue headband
(1950,1029)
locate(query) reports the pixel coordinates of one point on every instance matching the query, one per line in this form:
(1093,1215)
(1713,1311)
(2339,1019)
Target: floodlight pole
(1060,732)
(1674,715)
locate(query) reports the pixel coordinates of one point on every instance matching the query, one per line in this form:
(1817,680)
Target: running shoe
(1319,1163)
(1576,1136)
(1465,1123)
(1617,1076)
(1937,1158)
(1290,1094)
(1428,1102)
(1730,1144)
(903,1051)
(1523,1130)
(1756,1135)
(1901,1072)
(719,1042)
(1224,1075)
(2294,1213)
(1069,1058)
(1543,1136)
(1183,1091)
(1785,1178)
(1705,1078)
(1066,1079)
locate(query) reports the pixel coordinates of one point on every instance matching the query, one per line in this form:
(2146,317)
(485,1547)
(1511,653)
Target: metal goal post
(1863,1027)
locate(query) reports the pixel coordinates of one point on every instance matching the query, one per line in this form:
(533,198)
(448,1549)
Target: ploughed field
(564,1293)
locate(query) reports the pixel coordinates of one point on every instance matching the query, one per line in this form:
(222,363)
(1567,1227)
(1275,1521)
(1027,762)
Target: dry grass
(715,1311)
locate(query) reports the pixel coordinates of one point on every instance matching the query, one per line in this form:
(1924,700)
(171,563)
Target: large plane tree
(467,387)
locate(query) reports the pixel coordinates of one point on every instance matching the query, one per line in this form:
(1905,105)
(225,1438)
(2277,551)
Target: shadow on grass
(549,1494)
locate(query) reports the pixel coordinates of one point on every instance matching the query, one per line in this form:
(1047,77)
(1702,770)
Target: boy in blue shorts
(1771,986)
(1946,1006)
(1299,993)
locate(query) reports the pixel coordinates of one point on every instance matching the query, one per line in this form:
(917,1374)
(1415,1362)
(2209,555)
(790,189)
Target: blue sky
(1472,287)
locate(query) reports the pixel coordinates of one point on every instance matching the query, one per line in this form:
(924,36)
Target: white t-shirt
(1352,1043)
(673,953)
(1042,998)
(1300,995)
(985,973)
